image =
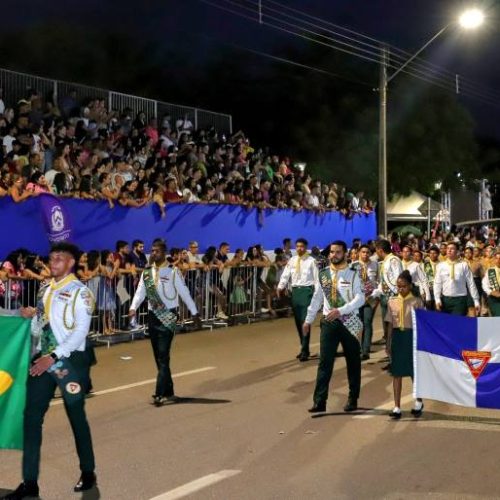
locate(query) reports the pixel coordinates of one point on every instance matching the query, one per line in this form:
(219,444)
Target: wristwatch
(53,355)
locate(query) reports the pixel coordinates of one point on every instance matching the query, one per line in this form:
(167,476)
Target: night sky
(183,24)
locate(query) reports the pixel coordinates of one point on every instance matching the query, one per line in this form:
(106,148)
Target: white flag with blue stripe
(457,359)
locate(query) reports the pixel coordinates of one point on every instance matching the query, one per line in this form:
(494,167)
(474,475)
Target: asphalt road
(244,432)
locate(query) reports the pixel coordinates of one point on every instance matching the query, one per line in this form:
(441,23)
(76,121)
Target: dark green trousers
(301,298)
(494,305)
(455,305)
(384,299)
(332,334)
(40,390)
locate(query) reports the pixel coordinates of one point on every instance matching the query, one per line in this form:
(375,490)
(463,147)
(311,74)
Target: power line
(422,72)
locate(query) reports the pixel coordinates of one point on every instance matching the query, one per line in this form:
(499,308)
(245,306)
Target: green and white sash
(493,279)
(335,300)
(160,310)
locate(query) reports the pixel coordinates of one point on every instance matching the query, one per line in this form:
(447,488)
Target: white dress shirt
(69,305)
(307,275)
(419,278)
(348,286)
(389,271)
(170,285)
(457,287)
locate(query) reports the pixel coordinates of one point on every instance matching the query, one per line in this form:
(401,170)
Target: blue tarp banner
(94,226)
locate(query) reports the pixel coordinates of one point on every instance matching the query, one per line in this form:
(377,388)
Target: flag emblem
(476,361)
(5,381)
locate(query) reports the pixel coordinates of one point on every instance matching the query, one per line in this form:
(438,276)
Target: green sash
(429,272)
(351,321)
(160,310)
(492,279)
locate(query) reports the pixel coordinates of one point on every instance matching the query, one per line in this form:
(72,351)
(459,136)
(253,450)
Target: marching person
(60,326)
(339,291)
(161,285)
(430,266)
(302,271)
(389,271)
(368,272)
(491,285)
(418,277)
(400,340)
(452,282)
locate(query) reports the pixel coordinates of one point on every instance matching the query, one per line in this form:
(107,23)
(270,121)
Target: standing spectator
(137,256)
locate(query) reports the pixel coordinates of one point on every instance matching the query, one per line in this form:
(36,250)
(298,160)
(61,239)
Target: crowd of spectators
(81,149)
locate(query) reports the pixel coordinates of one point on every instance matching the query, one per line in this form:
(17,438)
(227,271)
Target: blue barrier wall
(96,226)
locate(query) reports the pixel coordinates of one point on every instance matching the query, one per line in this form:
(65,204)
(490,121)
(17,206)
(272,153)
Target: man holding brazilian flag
(32,366)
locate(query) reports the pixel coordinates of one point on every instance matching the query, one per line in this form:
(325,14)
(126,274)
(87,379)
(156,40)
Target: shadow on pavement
(93,494)
(198,401)
(429,415)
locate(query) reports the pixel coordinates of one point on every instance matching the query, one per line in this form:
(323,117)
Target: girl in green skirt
(400,340)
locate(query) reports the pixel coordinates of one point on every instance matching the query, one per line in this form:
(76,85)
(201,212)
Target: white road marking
(196,485)
(142,382)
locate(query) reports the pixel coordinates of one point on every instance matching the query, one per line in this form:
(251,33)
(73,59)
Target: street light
(468,20)
(471,19)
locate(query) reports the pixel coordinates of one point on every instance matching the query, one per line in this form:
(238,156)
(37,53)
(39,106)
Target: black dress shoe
(87,481)
(303,357)
(395,415)
(173,398)
(318,408)
(364,357)
(417,413)
(27,489)
(298,355)
(351,405)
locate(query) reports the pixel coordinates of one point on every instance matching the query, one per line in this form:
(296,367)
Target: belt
(303,286)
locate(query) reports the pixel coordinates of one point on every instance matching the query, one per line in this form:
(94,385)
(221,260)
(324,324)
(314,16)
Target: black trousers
(161,341)
(334,333)
(40,391)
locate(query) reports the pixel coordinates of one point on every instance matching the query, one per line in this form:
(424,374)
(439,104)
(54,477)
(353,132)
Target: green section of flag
(15,344)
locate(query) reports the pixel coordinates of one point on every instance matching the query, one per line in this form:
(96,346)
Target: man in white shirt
(389,272)
(418,276)
(368,272)
(9,139)
(162,284)
(339,291)
(302,272)
(452,282)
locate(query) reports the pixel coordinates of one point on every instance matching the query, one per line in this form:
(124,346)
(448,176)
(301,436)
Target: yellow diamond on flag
(5,382)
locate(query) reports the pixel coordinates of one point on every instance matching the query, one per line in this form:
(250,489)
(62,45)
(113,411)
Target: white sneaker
(222,315)
(264,310)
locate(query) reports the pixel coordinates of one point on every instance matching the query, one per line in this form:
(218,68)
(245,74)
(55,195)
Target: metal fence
(16,86)
(237,294)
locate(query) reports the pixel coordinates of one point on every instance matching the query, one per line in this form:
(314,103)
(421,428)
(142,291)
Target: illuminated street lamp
(468,20)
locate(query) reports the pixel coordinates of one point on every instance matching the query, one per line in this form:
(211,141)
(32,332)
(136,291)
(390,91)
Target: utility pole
(382,150)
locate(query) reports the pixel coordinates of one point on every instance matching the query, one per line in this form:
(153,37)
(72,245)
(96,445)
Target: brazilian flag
(15,342)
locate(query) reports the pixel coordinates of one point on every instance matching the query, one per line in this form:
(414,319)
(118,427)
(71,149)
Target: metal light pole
(382,150)
(470,19)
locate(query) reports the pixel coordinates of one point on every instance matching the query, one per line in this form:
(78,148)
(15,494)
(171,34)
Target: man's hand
(306,328)
(28,312)
(131,313)
(41,365)
(428,304)
(478,310)
(439,307)
(280,292)
(333,315)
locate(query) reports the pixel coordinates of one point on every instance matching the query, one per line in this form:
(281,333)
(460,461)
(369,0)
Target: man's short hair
(454,243)
(193,243)
(339,243)
(120,244)
(383,245)
(136,243)
(286,241)
(160,243)
(301,240)
(365,246)
(223,244)
(434,248)
(408,247)
(64,246)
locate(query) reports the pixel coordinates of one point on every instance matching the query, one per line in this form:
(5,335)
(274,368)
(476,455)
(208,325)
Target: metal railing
(237,294)
(16,86)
